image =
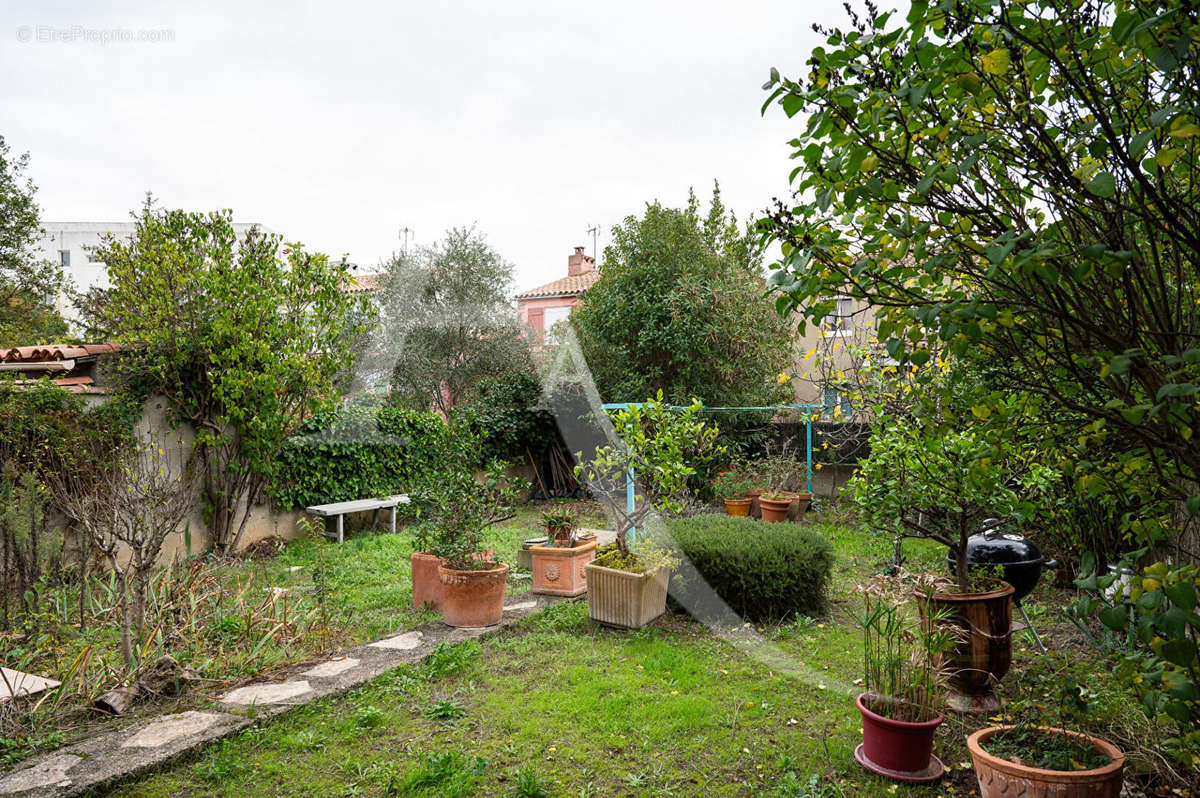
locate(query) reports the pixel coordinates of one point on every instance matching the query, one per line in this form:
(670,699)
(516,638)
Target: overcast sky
(339,123)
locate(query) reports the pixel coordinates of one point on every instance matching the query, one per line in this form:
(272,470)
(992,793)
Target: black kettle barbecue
(1020,561)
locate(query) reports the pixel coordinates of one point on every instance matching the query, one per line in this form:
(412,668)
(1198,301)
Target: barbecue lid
(996,547)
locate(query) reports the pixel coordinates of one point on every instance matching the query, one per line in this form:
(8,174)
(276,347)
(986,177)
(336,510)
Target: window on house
(840,318)
(535,317)
(92,256)
(64,258)
(837,404)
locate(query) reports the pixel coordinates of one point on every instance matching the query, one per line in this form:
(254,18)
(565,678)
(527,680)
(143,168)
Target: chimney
(579,263)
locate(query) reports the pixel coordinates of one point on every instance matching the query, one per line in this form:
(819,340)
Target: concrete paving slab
(401,642)
(169,728)
(334,667)
(267,693)
(522,605)
(50,772)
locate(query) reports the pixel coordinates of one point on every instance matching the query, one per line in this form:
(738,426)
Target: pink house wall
(532,311)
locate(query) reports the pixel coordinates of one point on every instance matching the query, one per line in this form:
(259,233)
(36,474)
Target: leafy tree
(1019,178)
(26,282)
(680,308)
(446,322)
(242,338)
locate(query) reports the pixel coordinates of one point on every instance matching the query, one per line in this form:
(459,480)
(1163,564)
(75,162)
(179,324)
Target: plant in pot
(472,581)
(733,486)
(935,482)
(1027,757)
(784,478)
(660,447)
(559,564)
(903,651)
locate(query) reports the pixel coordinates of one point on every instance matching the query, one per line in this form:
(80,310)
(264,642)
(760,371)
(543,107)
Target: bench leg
(393,519)
(340,531)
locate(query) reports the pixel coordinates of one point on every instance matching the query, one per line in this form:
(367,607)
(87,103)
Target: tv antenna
(594,231)
(405,232)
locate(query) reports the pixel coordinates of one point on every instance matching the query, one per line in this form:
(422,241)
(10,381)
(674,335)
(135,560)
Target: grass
(562,707)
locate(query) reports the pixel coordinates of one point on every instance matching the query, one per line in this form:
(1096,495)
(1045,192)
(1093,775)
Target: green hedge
(357,452)
(763,571)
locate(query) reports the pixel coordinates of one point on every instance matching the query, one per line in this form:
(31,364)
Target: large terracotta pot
(426,587)
(559,571)
(775,510)
(1000,778)
(895,748)
(984,654)
(739,508)
(630,601)
(473,598)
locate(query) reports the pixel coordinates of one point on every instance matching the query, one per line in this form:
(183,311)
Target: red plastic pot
(895,748)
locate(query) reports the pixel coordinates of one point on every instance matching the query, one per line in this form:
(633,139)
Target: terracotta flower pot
(984,654)
(559,571)
(473,598)
(738,507)
(1001,778)
(800,505)
(630,601)
(755,506)
(426,587)
(775,510)
(897,749)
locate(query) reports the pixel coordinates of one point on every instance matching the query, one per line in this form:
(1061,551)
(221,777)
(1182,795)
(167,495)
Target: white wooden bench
(340,509)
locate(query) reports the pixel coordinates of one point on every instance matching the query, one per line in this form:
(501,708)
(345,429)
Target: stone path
(120,754)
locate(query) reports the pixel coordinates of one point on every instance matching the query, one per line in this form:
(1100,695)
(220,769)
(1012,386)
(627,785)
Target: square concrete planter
(560,571)
(630,601)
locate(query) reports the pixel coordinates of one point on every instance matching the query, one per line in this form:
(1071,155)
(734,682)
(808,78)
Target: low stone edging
(115,756)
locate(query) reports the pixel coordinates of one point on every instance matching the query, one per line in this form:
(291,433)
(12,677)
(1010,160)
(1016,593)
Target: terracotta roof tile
(31,354)
(564,286)
(365,283)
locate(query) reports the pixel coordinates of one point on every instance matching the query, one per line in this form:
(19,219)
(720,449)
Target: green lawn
(561,706)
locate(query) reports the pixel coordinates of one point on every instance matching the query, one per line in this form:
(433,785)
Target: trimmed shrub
(764,572)
(357,452)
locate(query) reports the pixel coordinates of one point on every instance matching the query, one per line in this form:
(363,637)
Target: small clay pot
(426,586)
(775,510)
(1000,778)
(738,507)
(473,598)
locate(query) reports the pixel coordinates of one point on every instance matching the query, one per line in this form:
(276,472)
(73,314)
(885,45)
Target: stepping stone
(20,683)
(333,667)
(403,642)
(267,693)
(169,728)
(521,605)
(295,568)
(49,773)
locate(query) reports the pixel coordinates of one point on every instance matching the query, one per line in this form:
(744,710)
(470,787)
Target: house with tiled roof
(543,307)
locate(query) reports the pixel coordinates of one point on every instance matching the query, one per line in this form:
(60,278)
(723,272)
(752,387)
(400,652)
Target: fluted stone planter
(630,601)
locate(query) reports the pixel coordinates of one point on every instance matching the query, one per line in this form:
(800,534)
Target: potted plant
(1029,757)
(472,581)
(902,658)
(733,486)
(784,477)
(661,447)
(558,564)
(940,483)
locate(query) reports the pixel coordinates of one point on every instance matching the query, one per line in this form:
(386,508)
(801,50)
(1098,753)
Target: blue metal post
(631,502)
(808,448)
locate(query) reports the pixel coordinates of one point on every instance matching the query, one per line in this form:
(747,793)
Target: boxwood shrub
(764,572)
